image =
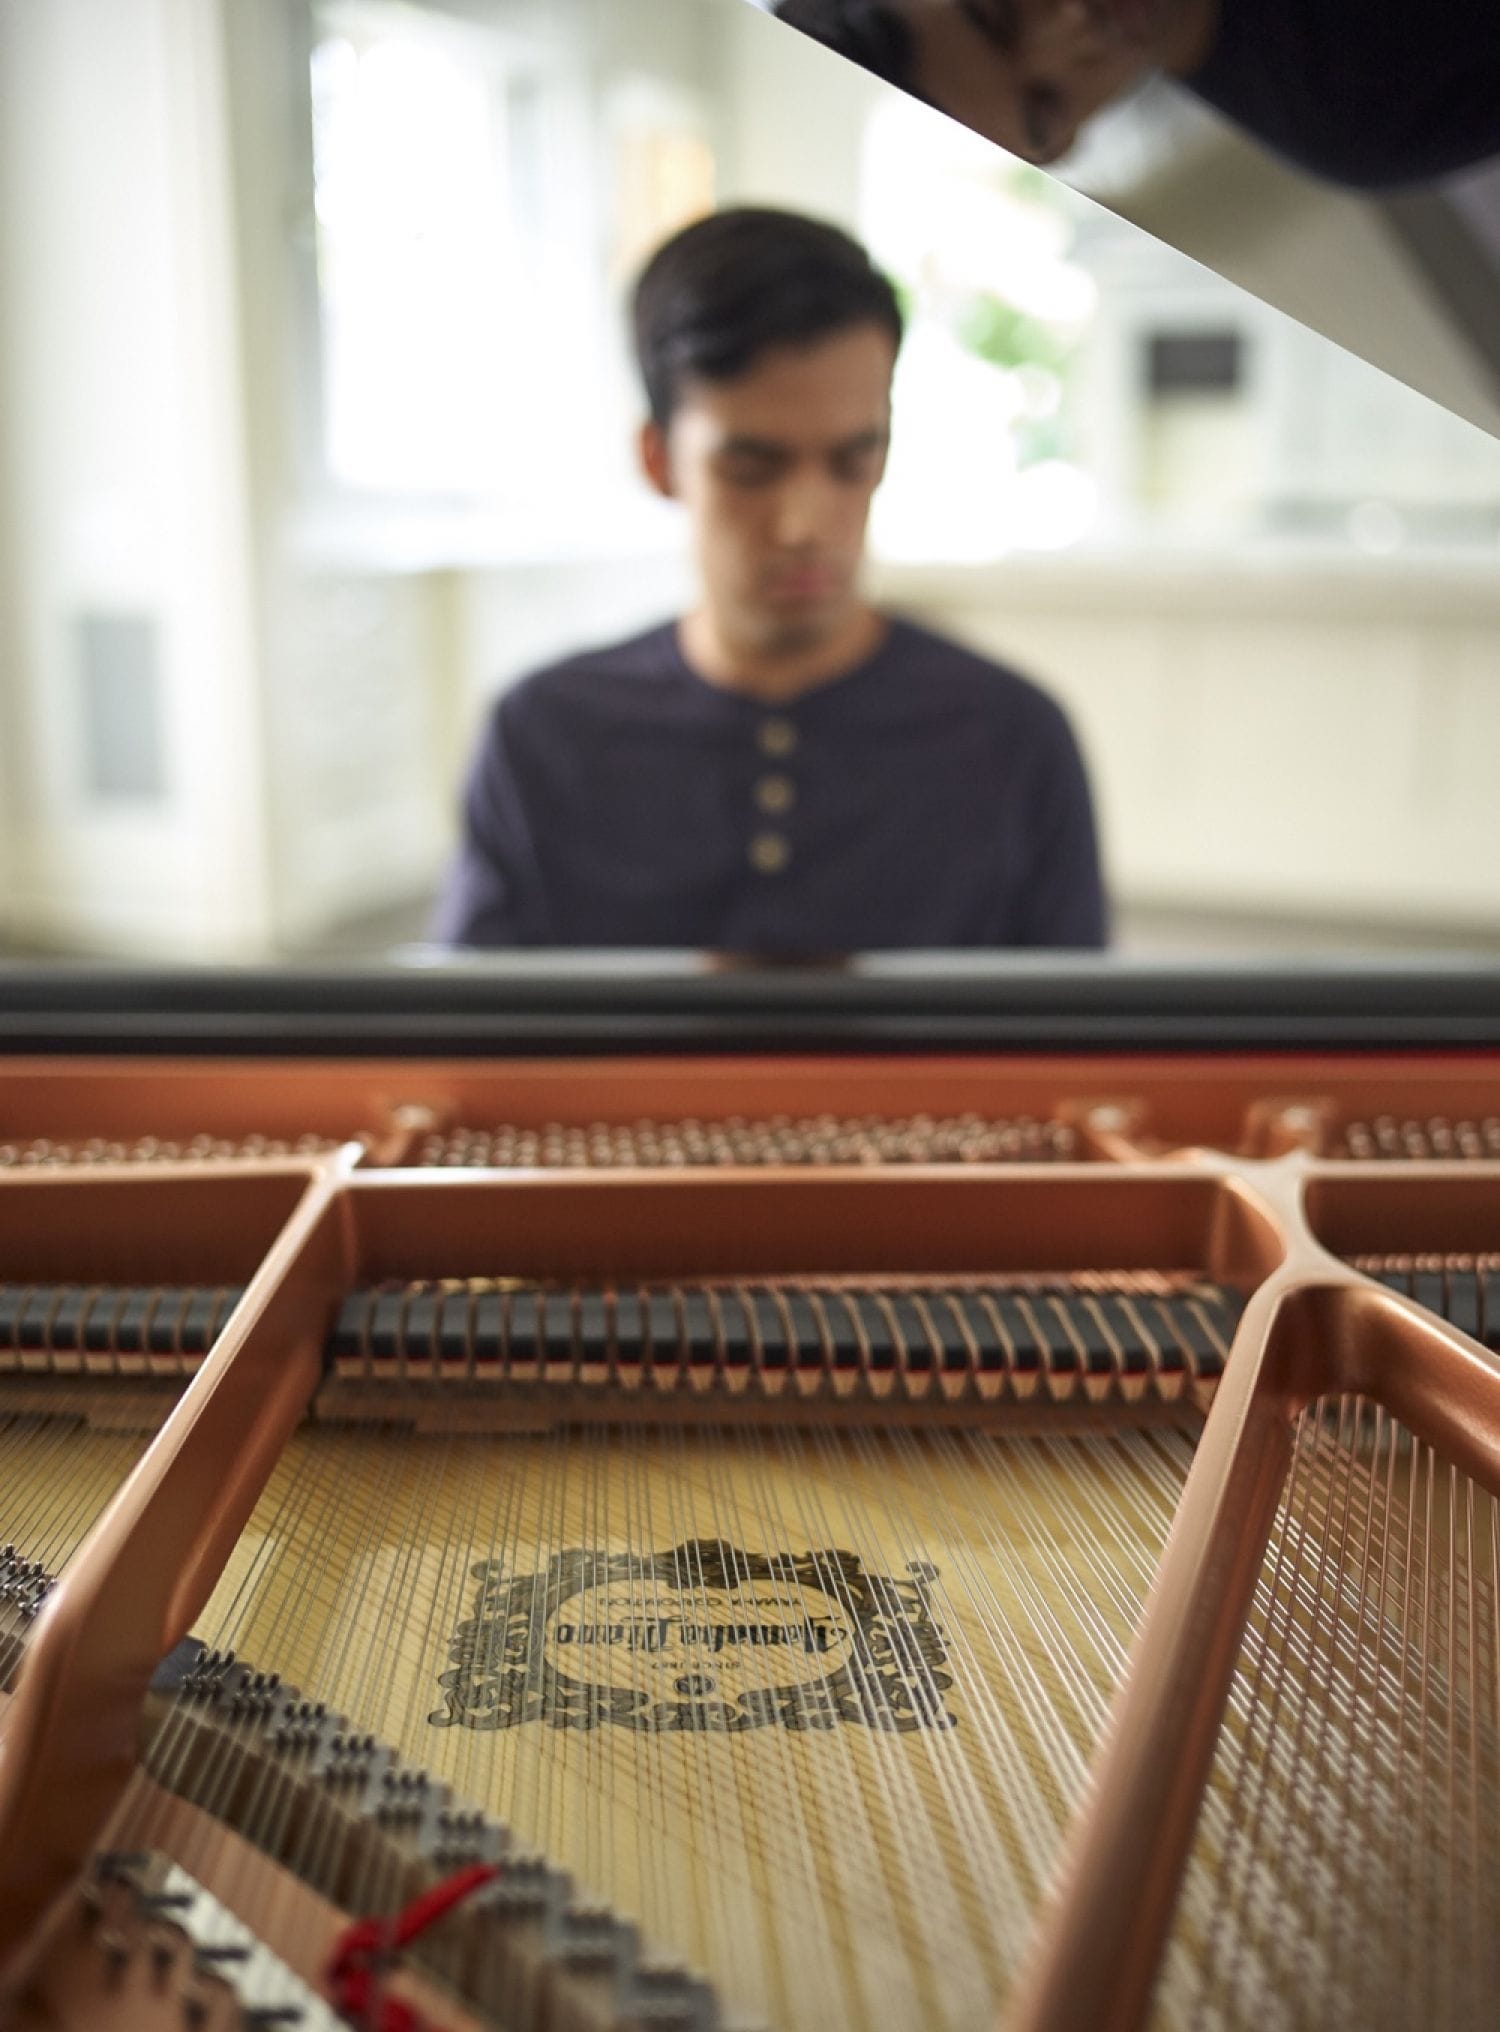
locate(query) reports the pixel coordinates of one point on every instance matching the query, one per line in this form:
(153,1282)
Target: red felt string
(361,1950)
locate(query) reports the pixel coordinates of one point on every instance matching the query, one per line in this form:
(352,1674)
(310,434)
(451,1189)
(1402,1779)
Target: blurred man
(1364,92)
(784,771)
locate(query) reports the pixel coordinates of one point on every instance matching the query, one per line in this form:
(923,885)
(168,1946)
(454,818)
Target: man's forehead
(834,389)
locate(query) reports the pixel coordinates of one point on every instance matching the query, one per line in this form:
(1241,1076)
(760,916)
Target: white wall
(387,635)
(353,684)
(795,113)
(124,469)
(1279,742)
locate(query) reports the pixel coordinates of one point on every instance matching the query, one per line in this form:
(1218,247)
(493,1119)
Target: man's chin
(787,637)
(791,626)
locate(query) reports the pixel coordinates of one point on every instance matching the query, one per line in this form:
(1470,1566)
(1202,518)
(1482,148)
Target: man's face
(776,469)
(1027,74)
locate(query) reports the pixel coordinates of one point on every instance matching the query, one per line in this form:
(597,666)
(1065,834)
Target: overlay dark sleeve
(493,892)
(1062,901)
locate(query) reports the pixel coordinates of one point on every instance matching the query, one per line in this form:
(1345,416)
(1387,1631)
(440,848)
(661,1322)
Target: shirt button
(775,793)
(777,737)
(769,853)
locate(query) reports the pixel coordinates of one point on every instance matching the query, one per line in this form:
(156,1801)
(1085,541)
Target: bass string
(496,1540)
(649,1531)
(354,1654)
(740,1882)
(1010,1639)
(1082,1653)
(965,1591)
(666,1500)
(1025,1625)
(320,1623)
(814,1824)
(827,1845)
(873,1865)
(981,1665)
(280,1604)
(550,1815)
(281,1599)
(1058,1669)
(677,1806)
(842,1471)
(1355,1749)
(1135,1522)
(1388,1795)
(1251,1890)
(59,1474)
(472,1755)
(479,1466)
(1317,1693)
(930,1877)
(773,1522)
(695,1780)
(375,1665)
(811,1527)
(591,1814)
(348,1653)
(955,1893)
(842,1919)
(52,1497)
(285,1616)
(266,1648)
(140,1820)
(1205,1902)
(1484,1706)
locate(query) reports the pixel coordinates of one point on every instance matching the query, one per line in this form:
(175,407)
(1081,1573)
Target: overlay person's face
(776,469)
(1027,74)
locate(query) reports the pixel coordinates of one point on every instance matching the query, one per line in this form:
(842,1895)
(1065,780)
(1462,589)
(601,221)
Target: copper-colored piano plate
(1224,1101)
(1313,1327)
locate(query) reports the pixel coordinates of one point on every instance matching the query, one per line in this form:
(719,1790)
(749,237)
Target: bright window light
(414,242)
(980,247)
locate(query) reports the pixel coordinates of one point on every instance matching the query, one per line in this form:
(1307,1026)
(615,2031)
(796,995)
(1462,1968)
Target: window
(461,286)
(480,196)
(980,246)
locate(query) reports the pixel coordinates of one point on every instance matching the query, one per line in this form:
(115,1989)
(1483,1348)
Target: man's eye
(857,465)
(746,470)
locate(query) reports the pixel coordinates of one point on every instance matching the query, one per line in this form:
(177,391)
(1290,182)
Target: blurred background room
(316,429)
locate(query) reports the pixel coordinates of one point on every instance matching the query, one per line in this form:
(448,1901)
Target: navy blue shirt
(1367,92)
(926,798)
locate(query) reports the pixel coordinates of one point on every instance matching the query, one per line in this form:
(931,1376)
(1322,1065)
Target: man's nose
(801,510)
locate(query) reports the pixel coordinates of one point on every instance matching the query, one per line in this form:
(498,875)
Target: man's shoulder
(591,680)
(954,675)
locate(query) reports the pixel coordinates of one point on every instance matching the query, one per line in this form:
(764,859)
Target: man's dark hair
(867,31)
(725,289)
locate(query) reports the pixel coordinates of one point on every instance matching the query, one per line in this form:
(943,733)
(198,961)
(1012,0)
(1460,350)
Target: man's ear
(655,458)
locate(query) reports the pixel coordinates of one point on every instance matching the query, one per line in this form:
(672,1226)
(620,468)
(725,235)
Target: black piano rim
(587,1005)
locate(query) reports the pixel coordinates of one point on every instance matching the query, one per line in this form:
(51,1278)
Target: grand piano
(620,1491)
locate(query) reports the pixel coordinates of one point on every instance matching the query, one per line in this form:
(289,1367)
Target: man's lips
(809,583)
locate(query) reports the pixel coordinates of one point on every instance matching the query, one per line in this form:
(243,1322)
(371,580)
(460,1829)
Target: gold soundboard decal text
(704,1637)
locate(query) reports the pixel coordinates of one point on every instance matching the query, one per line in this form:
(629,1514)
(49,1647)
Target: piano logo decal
(705,1637)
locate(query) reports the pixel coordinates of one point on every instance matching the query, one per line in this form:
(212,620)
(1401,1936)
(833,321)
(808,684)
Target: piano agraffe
(852,1520)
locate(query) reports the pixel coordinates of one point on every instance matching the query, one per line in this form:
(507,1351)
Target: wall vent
(124,749)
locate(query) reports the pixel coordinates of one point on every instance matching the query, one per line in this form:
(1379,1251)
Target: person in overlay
(1371,94)
(784,771)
